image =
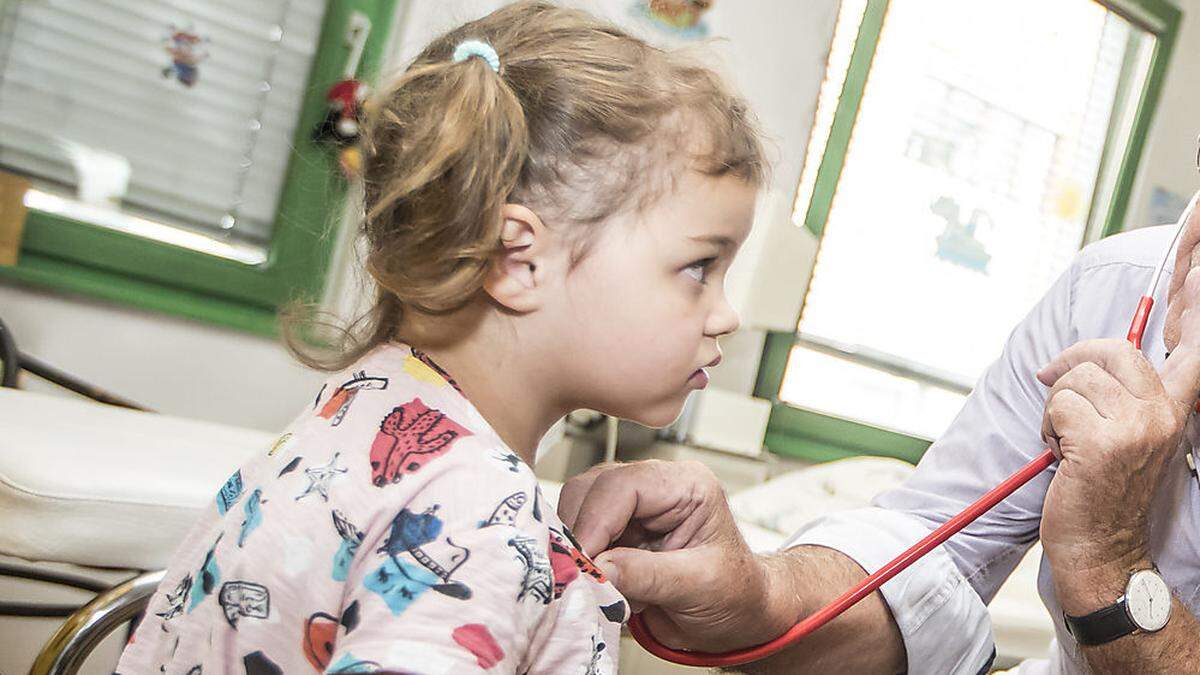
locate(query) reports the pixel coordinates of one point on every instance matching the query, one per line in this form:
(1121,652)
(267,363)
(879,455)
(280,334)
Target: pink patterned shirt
(389,529)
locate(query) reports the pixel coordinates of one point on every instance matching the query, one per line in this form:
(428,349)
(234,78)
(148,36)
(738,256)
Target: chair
(102,484)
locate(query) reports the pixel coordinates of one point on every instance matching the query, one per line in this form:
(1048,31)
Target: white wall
(171,365)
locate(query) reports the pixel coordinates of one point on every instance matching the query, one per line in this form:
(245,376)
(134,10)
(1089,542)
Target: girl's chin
(658,416)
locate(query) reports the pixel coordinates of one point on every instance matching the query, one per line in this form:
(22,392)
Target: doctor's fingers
(1181,372)
(1109,397)
(675,499)
(570,498)
(673,580)
(1068,416)
(1118,358)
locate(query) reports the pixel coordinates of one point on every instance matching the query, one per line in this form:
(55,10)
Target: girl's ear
(517,279)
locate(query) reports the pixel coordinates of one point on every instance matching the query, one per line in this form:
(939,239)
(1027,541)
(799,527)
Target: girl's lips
(698,380)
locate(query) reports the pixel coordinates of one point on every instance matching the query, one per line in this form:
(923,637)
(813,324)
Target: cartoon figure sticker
(681,18)
(186,49)
(409,437)
(338,405)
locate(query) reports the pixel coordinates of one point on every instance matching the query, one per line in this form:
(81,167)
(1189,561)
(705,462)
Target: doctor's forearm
(1174,649)
(865,639)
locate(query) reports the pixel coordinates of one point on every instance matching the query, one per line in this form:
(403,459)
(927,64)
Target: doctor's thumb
(663,579)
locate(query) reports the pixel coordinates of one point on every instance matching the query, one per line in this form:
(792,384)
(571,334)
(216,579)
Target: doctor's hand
(664,534)
(1115,425)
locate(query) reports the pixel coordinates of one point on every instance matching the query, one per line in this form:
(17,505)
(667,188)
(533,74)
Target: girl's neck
(501,381)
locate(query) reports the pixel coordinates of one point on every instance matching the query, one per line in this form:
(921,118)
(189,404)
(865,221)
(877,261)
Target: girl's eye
(699,269)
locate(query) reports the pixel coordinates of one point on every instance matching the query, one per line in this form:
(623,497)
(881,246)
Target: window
(169,145)
(961,153)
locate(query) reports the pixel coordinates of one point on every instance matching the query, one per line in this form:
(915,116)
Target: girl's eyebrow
(720,240)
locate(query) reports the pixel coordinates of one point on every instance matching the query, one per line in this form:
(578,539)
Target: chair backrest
(71,644)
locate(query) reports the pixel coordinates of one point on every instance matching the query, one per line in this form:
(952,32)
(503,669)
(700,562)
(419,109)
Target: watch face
(1148,600)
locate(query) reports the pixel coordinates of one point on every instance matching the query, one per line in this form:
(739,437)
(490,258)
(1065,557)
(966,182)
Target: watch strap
(1101,626)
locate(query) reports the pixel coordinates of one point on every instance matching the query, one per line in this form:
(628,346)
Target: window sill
(817,437)
(37,270)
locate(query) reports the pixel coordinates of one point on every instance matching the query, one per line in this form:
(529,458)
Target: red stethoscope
(934,539)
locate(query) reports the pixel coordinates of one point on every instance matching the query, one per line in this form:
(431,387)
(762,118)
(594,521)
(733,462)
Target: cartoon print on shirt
(398,583)
(506,511)
(352,538)
(349,664)
(511,459)
(244,599)
(338,405)
(562,564)
(424,358)
(279,443)
(538,581)
(409,437)
(567,544)
(257,663)
(290,467)
(417,553)
(477,639)
(176,599)
(350,617)
(317,400)
(253,515)
(617,612)
(410,532)
(320,632)
(230,492)
(207,578)
(598,647)
(319,477)
(537,504)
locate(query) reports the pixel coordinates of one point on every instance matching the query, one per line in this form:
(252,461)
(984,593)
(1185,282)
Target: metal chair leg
(83,630)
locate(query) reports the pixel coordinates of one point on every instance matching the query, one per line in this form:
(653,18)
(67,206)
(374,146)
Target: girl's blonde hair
(582,121)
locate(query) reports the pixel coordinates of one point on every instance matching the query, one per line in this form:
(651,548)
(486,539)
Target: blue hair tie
(469,48)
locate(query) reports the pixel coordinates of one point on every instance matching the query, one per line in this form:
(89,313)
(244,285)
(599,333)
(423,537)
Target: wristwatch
(1146,607)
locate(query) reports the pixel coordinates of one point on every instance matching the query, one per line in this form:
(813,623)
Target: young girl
(551,207)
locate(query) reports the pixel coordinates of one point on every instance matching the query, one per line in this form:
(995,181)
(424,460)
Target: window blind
(88,90)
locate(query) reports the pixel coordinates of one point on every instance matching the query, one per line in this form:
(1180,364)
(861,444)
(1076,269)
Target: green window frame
(86,259)
(820,437)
